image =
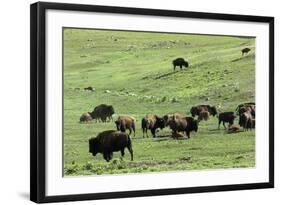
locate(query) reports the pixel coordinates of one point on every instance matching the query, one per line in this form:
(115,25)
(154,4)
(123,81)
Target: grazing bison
(245,50)
(110,141)
(226,117)
(246,120)
(180,62)
(125,122)
(90,89)
(169,117)
(203,115)
(85,117)
(199,108)
(184,124)
(152,123)
(103,112)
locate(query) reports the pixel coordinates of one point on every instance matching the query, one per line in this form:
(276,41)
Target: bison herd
(180,124)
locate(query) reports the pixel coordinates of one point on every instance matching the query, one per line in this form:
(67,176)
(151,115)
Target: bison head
(185,63)
(160,122)
(194,111)
(94,146)
(192,124)
(213,111)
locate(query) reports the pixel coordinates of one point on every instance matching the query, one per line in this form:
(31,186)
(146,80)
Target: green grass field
(133,72)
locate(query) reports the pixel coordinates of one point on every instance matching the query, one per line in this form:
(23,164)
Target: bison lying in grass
(110,141)
(86,117)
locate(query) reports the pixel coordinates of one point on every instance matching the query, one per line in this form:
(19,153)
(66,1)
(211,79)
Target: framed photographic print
(129,102)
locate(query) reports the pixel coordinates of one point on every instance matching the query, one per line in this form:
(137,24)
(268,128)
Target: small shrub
(174,100)
(88,166)
(71,169)
(164,99)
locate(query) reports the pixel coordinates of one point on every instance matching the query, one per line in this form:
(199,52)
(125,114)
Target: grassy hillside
(133,72)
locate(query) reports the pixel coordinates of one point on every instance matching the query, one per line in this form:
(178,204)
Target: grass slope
(133,72)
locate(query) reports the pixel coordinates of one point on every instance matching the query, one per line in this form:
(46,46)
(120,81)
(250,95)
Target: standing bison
(184,124)
(110,141)
(102,112)
(169,117)
(246,120)
(196,110)
(125,122)
(152,123)
(250,107)
(180,62)
(203,115)
(226,117)
(245,50)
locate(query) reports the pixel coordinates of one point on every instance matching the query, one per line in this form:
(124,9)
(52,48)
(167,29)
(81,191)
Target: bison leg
(131,152)
(187,134)
(153,132)
(130,131)
(223,123)
(219,124)
(106,156)
(122,152)
(134,129)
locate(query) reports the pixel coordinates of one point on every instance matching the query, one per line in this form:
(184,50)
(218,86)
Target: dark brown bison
(169,117)
(199,108)
(184,124)
(180,62)
(85,117)
(90,88)
(226,117)
(246,120)
(152,123)
(125,122)
(251,107)
(102,112)
(203,115)
(110,141)
(245,50)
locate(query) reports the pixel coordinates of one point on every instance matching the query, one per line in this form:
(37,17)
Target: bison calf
(125,122)
(110,141)
(226,117)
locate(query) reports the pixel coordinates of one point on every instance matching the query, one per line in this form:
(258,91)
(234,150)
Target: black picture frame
(38,100)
